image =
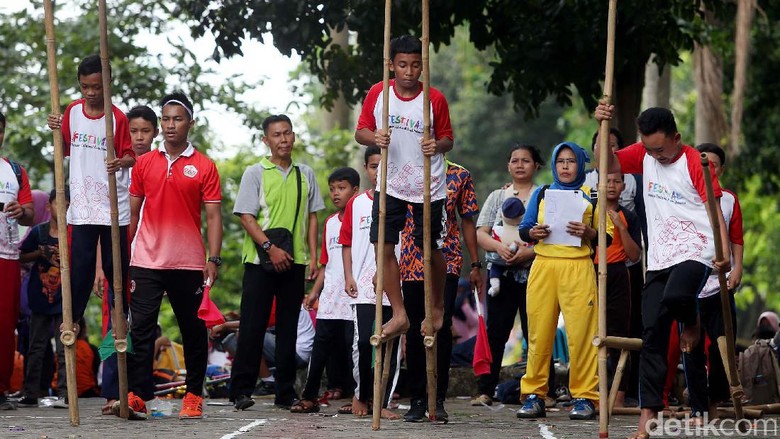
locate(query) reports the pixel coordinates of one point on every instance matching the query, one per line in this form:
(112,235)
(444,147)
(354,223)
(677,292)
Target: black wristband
(476,264)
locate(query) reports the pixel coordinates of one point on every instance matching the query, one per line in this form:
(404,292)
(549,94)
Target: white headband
(174,101)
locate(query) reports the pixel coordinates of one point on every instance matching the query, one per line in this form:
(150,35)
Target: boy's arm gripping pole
(380,244)
(68,335)
(601,207)
(725,342)
(117,315)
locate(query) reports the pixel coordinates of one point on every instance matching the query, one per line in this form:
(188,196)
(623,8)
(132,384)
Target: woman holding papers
(562,220)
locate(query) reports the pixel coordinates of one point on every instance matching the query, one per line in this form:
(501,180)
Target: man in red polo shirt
(169,255)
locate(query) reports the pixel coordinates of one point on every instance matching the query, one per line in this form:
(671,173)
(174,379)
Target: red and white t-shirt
(678,227)
(11,190)
(732,214)
(85,142)
(170,235)
(355,231)
(405,158)
(334,302)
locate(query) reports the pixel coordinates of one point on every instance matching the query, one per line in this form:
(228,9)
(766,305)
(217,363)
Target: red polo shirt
(169,237)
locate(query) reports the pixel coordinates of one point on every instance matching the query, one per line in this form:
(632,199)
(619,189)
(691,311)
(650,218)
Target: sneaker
(27,401)
(191,407)
(533,407)
(60,403)
(135,405)
(442,416)
(265,388)
(482,400)
(243,402)
(416,412)
(583,409)
(5,403)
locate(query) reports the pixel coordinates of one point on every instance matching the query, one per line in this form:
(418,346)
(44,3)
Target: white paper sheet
(560,207)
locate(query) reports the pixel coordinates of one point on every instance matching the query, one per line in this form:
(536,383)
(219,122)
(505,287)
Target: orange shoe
(191,407)
(135,404)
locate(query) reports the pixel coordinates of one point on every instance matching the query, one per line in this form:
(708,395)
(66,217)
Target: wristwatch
(476,264)
(267,245)
(216,260)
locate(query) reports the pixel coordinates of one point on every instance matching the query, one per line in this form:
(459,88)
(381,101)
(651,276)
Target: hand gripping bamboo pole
(603,159)
(68,334)
(430,339)
(380,245)
(117,315)
(726,341)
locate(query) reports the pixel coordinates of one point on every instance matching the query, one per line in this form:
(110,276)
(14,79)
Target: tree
(544,48)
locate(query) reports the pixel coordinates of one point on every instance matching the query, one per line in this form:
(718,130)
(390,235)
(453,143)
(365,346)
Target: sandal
(335,394)
(345,409)
(305,406)
(482,400)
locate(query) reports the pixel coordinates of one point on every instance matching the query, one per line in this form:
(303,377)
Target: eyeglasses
(566,162)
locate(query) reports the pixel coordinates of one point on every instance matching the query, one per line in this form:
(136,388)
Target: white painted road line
(545,432)
(244,429)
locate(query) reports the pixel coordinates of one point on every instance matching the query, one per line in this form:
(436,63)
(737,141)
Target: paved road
(264,420)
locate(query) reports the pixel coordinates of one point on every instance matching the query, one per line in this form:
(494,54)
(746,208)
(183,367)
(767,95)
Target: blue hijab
(582,158)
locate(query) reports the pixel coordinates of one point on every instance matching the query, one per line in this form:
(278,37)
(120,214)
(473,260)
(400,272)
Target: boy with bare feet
(680,252)
(406,150)
(359,274)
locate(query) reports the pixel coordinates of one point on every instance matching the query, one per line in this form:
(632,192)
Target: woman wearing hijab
(562,280)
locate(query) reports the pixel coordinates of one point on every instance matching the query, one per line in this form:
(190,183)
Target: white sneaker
(60,403)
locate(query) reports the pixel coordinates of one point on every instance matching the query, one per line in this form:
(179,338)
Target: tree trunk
(708,76)
(339,115)
(657,89)
(745,9)
(629,82)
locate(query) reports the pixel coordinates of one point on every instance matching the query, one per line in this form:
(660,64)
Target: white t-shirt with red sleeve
(732,214)
(405,158)
(85,142)
(334,302)
(355,231)
(678,227)
(173,190)
(11,190)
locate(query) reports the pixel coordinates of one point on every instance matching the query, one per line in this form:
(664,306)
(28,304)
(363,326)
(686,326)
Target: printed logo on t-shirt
(85,140)
(677,237)
(405,123)
(132,286)
(365,222)
(658,190)
(190,171)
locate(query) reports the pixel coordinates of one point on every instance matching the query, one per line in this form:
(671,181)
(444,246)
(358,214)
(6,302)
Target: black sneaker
(416,412)
(27,401)
(264,389)
(243,402)
(442,416)
(6,404)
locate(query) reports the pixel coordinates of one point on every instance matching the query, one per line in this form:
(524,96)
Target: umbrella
(208,312)
(482,355)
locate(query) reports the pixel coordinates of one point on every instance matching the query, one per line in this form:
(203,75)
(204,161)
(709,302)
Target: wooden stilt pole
(602,232)
(380,250)
(621,367)
(725,342)
(118,321)
(68,333)
(388,358)
(429,340)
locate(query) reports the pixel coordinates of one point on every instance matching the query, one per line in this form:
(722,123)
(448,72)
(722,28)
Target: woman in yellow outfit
(562,280)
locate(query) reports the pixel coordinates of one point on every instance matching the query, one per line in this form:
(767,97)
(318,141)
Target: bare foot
(646,415)
(395,327)
(390,415)
(359,408)
(438,322)
(689,337)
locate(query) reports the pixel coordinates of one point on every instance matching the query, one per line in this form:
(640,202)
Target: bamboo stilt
(619,370)
(119,323)
(602,224)
(624,343)
(380,253)
(68,335)
(388,357)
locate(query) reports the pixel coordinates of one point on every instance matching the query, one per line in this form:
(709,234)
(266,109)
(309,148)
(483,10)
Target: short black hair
(405,44)
(181,98)
(144,112)
(89,66)
(347,174)
(2,119)
(656,119)
(715,149)
(275,118)
(371,150)
(536,155)
(615,132)
(53,194)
